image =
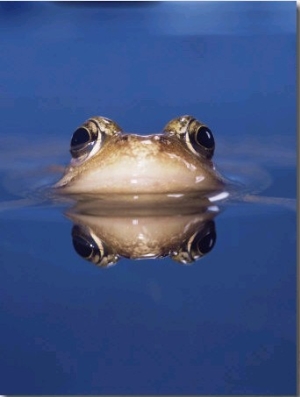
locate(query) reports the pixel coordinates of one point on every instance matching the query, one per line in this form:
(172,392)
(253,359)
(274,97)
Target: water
(227,323)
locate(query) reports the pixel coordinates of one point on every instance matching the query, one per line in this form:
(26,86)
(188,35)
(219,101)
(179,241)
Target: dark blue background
(227,324)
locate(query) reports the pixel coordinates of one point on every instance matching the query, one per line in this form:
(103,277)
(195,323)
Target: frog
(108,162)
(170,170)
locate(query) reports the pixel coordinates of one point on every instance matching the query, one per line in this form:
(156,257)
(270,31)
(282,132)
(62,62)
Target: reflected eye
(82,142)
(202,245)
(198,245)
(88,248)
(84,248)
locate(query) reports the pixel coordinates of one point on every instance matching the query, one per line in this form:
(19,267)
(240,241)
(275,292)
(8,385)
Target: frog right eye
(89,138)
(83,141)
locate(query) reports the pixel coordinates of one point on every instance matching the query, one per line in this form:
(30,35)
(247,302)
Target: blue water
(225,325)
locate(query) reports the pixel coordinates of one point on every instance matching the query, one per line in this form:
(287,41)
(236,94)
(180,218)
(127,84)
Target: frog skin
(107,161)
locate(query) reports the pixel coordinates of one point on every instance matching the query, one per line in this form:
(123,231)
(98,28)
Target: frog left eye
(203,137)
(200,139)
(197,136)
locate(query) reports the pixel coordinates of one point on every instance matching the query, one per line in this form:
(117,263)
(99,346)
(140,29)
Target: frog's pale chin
(151,179)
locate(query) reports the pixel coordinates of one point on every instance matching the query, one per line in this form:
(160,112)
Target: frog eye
(90,137)
(203,137)
(199,139)
(83,141)
(91,248)
(197,136)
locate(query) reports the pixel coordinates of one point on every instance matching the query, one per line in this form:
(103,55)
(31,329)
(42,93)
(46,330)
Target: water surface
(227,323)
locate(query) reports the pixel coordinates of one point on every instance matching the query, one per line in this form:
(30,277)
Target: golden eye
(83,141)
(197,136)
(204,137)
(91,135)
(200,139)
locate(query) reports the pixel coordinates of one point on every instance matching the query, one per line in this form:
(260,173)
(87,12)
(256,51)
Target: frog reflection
(105,161)
(104,238)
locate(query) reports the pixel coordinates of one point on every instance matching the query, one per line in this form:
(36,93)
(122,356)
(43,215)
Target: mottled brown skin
(135,164)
